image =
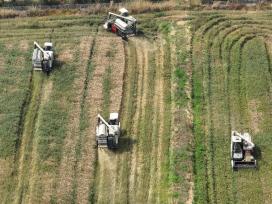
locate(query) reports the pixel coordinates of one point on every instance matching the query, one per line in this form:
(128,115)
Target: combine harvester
(43,58)
(242,149)
(122,24)
(108,133)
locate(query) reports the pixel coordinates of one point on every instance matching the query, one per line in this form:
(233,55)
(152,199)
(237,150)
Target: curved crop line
(211,41)
(228,96)
(213,24)
(229,33)
(269,64)
(210,44)
(203,33)
(241,98)
(242,44)
(212,17)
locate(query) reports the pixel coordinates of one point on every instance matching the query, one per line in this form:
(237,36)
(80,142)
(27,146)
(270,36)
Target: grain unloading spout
(105,122)
(41,49)
(246,137)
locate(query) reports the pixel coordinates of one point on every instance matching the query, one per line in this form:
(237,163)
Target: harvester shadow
(140,33)
(58,65)
(258,153)
(125,143)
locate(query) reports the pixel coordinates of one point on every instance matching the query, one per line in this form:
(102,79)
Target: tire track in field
(181,117)
(33,195)
(128,110)
(139,88)
(118,66)
(157,124)
(135,127)
(87,164)
(26,146)
(150,142)
(201,176)
(107,172)
(9,163)
(144,130)
(210,126)
(268,50)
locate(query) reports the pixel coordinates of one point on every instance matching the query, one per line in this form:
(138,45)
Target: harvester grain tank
(121,24)
(242,151)
(108,133)
(43,58)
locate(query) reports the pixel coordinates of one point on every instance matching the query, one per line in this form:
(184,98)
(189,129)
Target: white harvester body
(121,24)
(108,133)
(242,150)
(42,58)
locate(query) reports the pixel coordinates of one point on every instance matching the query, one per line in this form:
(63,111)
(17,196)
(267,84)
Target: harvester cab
(108,133)
(42,58)
(242,150)
(122,24)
